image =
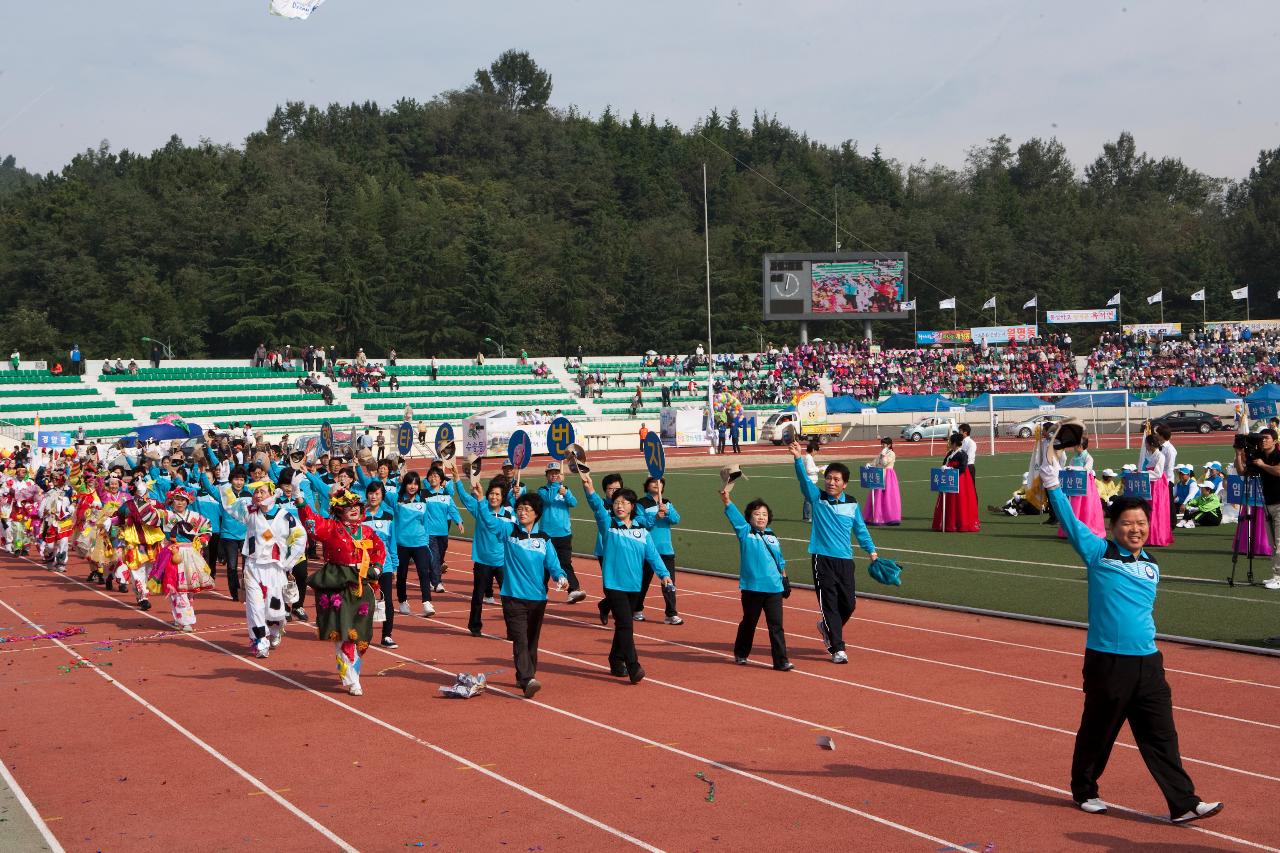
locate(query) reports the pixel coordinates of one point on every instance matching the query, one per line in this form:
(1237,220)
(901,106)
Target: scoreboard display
(831,286)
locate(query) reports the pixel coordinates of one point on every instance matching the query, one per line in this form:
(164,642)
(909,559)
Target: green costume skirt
(341,615)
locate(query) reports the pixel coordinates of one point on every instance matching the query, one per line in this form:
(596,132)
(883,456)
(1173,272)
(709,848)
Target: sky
(924,81)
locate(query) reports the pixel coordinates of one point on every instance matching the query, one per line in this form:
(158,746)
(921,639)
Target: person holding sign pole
(836,519)
(660,515)
(627,546)
(884,506)
(557,500)
(1123,670)
(1154,467)
(957,512)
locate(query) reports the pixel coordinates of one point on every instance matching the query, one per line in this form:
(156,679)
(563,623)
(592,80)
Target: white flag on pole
(1240,293)
(1198,296)
(1031,303)
(1115,300)
(299,9)
(1158,296)
(948,303)
(990,303)
(909,306)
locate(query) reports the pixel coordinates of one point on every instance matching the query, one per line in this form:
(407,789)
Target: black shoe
(92,577)
(144,605)
(604,613)
(531,687)
(784,667)
(299,614)
(636,675)
(108,584)
(618,670)
(477,633)
(740,661)
(388,643)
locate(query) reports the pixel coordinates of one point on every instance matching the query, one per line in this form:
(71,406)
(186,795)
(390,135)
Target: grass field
(1015,564)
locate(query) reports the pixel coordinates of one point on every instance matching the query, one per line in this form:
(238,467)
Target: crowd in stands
(1236,357)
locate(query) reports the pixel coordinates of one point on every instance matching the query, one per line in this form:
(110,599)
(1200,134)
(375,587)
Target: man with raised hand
(836,521)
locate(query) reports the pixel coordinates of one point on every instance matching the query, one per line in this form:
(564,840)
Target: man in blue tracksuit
(487,545)
(1123,669)
(528,560)
(836,518)
(557,500)
(627,547)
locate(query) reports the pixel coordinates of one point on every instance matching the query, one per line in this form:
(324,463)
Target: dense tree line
(485,213)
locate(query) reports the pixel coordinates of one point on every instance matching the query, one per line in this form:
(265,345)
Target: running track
(951,730)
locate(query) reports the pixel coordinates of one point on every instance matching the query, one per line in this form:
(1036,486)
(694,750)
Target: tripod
(1251,505)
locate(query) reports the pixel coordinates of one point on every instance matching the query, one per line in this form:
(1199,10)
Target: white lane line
(993,673)
(30,809)
(617,833)
(812,725)
(178,727)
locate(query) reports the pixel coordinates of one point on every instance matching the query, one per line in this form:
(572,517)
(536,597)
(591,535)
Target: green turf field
(1015,564)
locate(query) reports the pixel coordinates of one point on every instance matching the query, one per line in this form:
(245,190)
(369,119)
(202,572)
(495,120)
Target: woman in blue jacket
(528,559)
(487,547)
(382,518)
(659,515)
(440,515)
(413,543)
(627,547)
(761,576)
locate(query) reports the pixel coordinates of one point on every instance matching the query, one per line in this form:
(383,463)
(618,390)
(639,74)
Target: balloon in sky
(300,9)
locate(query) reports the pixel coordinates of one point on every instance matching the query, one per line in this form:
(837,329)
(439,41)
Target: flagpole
(1162,308)
(955,323)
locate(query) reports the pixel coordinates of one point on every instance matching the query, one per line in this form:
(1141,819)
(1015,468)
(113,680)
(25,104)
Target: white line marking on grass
(178,727)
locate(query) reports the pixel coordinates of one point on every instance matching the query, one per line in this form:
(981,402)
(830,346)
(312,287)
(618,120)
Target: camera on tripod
(1251,444)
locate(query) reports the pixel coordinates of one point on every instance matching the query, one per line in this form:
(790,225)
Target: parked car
(1027,428)
(1190,420)
(931,427)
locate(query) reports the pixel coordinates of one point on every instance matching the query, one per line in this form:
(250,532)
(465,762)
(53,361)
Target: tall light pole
(711,391)
(502,353)
(164,345)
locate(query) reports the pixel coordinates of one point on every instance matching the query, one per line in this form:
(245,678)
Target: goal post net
(1108,416)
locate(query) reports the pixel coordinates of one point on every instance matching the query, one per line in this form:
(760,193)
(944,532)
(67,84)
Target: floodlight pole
(991,420)
(706,234)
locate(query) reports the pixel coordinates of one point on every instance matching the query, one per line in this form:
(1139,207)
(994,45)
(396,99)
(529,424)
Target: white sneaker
(637,616)
(438,588)
(673,620)
(355,690)
(576,596)
(839,657)
(277,639)
(489,599)
(1273,583)
(263,647)
(404,608)
(1093,806)
(428,609)
(1201,810)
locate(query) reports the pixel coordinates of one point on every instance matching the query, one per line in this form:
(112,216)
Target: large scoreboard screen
(830,286)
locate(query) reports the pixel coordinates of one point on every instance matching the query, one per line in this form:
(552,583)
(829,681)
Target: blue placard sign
(946,480)
(519,449)
(1237,486)
(444,435)
(1137,486)
(871,477)
(53,439)
(655,457)
(1262,409)
(404,438)
(1075,484)
(326,436)
(559,436)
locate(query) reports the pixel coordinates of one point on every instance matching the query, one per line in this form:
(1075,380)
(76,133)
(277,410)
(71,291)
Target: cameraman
(1266,465)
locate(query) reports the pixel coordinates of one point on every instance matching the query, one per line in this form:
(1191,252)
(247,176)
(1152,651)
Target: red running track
(950,730)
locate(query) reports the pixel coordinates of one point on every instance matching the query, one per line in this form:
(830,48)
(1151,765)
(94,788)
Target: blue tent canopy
(845,404)
(1085,399)
(915,403)
(984,402)
(1194,396)
(1270,391)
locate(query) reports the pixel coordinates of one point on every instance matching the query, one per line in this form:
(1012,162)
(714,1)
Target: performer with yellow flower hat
(346,586)
(180,570)
(274,541)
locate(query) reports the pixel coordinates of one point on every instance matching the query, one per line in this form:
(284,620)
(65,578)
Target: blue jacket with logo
(1122,587)
(527,559)
(835,522)
(760,562)
(487,546)
(660,528)
(626,550)
(555,510)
